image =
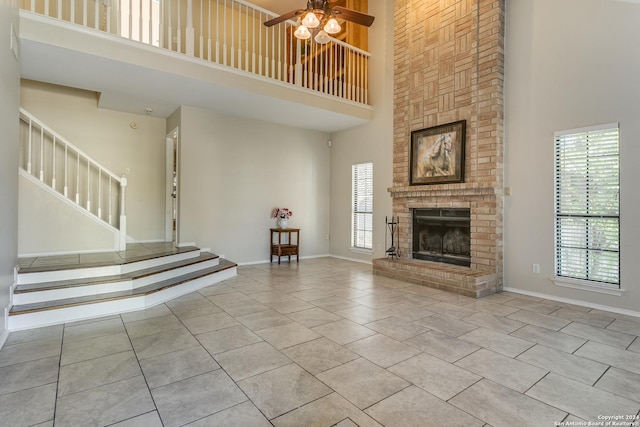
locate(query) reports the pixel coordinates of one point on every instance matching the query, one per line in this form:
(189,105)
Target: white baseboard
(574,302)
(361,261)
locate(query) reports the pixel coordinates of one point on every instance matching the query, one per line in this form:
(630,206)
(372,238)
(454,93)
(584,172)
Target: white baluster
(201,34)
(46,7)
(123,216)
(140,22)
(150,22)
(89,185)
(246,39)
(218,31)
(233,37)
(100,193)
(110,197)
(59,15)
(160,24)
(299,74)
(73,11)
(266,51)
(130,19)
(224,34)
(41,154)
(84,12)
(96,15)
(280,52)
(260,30)
(179,35)
(33,6)
(66,170)
(78,180)
(190,31)
(239,66)
(253,41)
(53,178)
(209,31)
(169,27)
(30,144)
(273,52)
(108,12)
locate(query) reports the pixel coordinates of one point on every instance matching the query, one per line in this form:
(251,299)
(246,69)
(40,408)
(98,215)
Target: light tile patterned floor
(326,343)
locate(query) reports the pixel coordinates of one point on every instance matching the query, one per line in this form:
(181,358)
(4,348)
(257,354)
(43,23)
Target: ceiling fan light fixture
(322,37)
(332,26)
(310,20)
(302,32)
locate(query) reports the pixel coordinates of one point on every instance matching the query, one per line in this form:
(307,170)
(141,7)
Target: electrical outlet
(326,237)
(536,268)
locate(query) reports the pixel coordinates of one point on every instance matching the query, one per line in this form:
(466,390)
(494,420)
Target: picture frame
(437,154)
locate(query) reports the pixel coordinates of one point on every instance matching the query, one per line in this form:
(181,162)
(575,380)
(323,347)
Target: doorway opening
(171,185)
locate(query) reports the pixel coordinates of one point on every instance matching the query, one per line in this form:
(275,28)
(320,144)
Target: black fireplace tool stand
(392,225)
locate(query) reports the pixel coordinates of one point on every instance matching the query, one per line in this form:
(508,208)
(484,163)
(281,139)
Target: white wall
(48,225)
(234,171)
(108,137)
(9,107)
(569,64)
(370,142)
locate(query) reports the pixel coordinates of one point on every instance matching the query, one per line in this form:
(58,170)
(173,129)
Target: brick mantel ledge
(445,190)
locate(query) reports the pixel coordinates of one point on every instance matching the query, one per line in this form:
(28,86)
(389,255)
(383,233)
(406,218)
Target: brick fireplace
(449,66)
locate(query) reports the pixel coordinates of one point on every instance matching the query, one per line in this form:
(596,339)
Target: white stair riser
(155,262)
(79,291)
(104,288)
(111,270)
(70,314)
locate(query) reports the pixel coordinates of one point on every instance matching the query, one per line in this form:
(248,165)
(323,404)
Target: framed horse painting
(437,154)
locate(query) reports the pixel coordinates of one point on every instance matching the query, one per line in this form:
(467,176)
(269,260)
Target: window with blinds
(362,223)
(587,205)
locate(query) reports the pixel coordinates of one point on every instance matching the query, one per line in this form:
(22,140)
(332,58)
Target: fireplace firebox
(442,235)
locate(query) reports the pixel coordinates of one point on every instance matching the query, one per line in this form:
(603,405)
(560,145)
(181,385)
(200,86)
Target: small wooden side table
(285,246)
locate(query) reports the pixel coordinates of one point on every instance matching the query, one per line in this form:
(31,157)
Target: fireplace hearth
(442,235)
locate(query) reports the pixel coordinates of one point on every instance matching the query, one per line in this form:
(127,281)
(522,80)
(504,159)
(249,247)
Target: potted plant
(282,215)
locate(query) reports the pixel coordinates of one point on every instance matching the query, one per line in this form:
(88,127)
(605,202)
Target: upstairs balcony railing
(225,32)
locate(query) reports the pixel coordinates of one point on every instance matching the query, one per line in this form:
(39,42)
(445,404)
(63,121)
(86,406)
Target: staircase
(58,289)
(60,168)
(53,290)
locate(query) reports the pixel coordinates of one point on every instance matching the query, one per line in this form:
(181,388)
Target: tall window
(587,205)
(362,191)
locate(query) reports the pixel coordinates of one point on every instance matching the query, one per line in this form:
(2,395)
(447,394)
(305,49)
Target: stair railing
(69,171)
(226,32)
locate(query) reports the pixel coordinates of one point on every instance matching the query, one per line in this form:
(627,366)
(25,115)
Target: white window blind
(362,225)
(587,205)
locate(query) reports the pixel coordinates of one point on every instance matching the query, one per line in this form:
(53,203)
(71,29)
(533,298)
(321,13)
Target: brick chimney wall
(449,66)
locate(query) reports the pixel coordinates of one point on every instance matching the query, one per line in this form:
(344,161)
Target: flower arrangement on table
(283,215)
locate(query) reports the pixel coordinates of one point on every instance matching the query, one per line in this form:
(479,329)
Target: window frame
(355,238)
(587,213)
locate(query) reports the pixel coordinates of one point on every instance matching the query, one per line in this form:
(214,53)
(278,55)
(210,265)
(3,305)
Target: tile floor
(326,343)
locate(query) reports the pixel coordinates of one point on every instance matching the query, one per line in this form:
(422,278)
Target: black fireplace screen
(442,235)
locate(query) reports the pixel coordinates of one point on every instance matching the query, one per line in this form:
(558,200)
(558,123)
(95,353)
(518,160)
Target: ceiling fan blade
(283,18)
(353,16)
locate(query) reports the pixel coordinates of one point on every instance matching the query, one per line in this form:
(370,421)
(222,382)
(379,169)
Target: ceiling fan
(320,18)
